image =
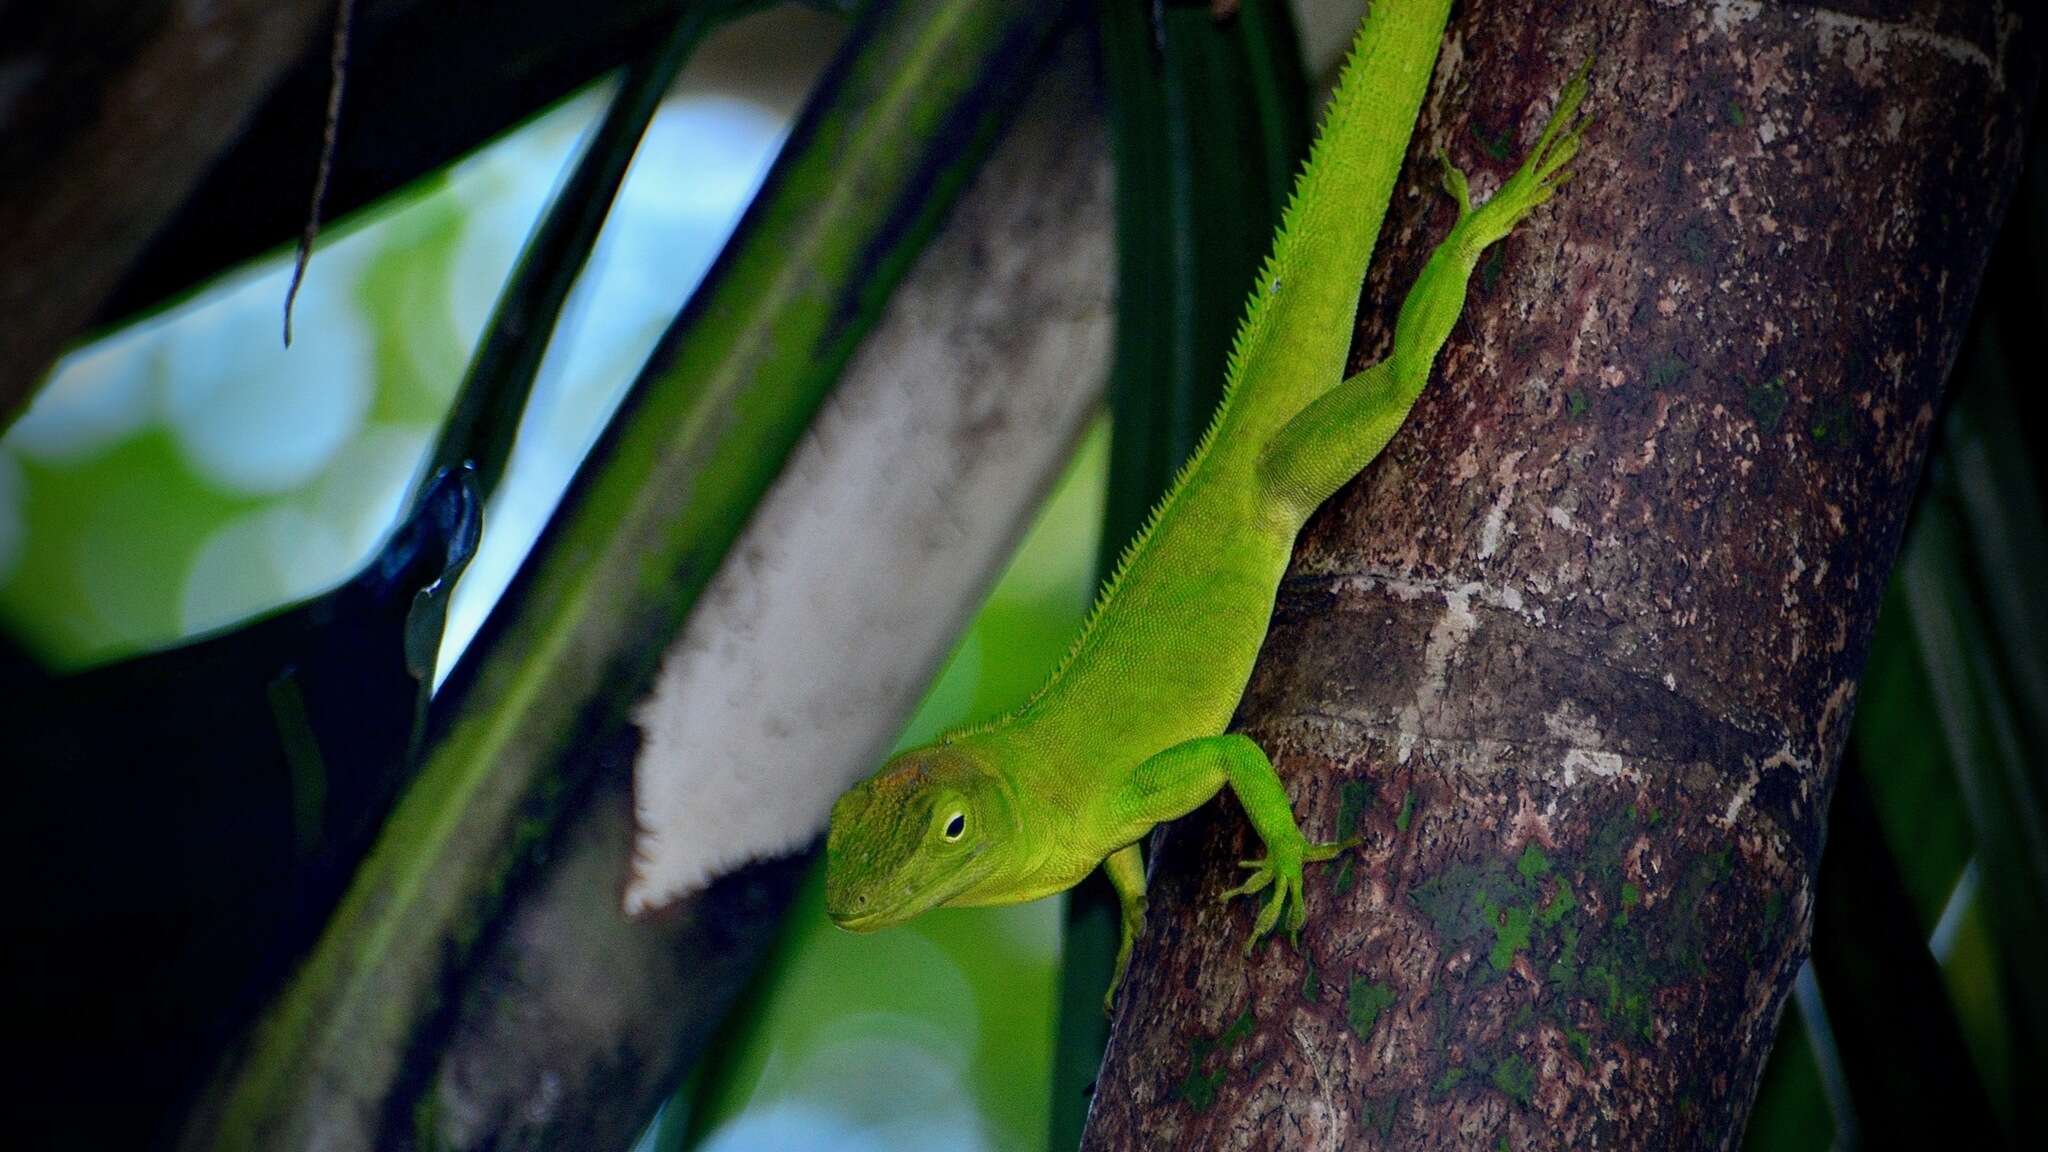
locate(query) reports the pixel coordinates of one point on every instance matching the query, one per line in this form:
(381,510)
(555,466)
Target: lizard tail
(1327,232)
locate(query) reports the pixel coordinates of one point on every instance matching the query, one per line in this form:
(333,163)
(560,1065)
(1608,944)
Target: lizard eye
(956,827)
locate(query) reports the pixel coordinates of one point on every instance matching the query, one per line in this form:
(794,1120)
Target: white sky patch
(691,180)
(365,490)
(250,415)
(271,556)
(96,397)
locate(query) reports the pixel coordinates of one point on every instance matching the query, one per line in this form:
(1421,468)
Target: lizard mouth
(862,922)
(871,915)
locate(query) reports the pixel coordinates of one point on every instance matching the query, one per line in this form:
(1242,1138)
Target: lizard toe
(1268,919)
(1329,849)
(1257,883)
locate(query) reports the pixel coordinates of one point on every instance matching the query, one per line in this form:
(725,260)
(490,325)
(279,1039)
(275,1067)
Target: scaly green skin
(1129,730)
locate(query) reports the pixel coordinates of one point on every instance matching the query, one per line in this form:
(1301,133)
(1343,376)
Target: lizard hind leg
(1338,434)
(1126,870)
(1543,171)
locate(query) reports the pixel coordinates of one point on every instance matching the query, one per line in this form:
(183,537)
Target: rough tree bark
(1577,658)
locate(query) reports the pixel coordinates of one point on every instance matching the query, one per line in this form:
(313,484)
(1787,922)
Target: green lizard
(1130,729)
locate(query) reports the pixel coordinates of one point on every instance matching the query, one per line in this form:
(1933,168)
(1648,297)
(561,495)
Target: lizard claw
(1133,926)
(1286,898)
(1543,171)
(1283,876)
(1281,872)
(1329,849)
(1262,875)
(1456,184)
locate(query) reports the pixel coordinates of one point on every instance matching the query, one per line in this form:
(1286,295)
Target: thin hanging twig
(337,60)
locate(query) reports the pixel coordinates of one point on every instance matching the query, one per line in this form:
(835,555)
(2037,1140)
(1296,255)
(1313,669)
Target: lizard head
(913,836)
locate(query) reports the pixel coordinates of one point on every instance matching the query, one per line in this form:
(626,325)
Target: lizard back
(1167,650)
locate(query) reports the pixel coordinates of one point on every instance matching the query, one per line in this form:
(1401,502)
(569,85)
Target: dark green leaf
(205,805)
(484,419)
(1908,1071)
(897,125)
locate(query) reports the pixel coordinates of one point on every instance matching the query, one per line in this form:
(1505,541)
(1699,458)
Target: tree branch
(103,150)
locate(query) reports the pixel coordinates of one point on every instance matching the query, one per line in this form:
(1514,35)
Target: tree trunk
(1577,658)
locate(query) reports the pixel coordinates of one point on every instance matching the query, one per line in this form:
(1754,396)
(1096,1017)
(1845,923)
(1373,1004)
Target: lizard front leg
(1177,781)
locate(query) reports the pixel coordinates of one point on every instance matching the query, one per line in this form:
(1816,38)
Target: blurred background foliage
(188,471)
(937,1035)
(183,473)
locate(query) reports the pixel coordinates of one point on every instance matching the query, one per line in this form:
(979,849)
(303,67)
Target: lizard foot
(1133,927)
(1542,173)
(1280,870)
